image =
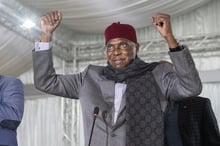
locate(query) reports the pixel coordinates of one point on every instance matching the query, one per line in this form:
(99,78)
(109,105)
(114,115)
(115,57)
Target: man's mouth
(118,61)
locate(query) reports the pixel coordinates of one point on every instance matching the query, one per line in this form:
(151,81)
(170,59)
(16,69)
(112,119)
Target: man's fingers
(162,15)
(157,22)
(153,21)
(57,15)
(160,19)
(52,18)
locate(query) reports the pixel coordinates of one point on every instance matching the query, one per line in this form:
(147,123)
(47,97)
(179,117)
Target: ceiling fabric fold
(93,16)
(15,53)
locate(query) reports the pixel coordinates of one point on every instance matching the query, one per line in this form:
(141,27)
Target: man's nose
(116,50)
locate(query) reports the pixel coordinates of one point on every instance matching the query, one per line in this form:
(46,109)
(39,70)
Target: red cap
(117,30)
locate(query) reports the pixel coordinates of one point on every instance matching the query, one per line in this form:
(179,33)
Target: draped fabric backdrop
(42,123)
(55,121)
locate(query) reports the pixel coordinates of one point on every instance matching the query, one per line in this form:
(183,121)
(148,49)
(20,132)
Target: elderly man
(129,93)
(11,109)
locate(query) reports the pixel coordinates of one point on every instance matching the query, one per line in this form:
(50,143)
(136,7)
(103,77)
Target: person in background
(131,94)
(11,109)
(191,122)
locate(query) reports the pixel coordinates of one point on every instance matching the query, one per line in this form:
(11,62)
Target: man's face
(120,52)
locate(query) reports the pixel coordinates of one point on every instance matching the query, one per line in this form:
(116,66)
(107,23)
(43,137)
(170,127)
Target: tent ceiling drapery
(79,17)
(93,16)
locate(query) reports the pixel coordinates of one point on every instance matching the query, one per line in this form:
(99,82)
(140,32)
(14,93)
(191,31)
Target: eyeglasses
(122,46)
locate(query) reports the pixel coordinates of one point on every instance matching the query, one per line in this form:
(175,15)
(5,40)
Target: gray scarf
(144,120)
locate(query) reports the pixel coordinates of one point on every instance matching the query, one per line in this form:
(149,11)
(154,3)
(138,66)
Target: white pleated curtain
(46,119)
(42,123)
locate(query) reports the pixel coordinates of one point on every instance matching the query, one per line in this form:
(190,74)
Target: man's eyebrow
(123,41)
